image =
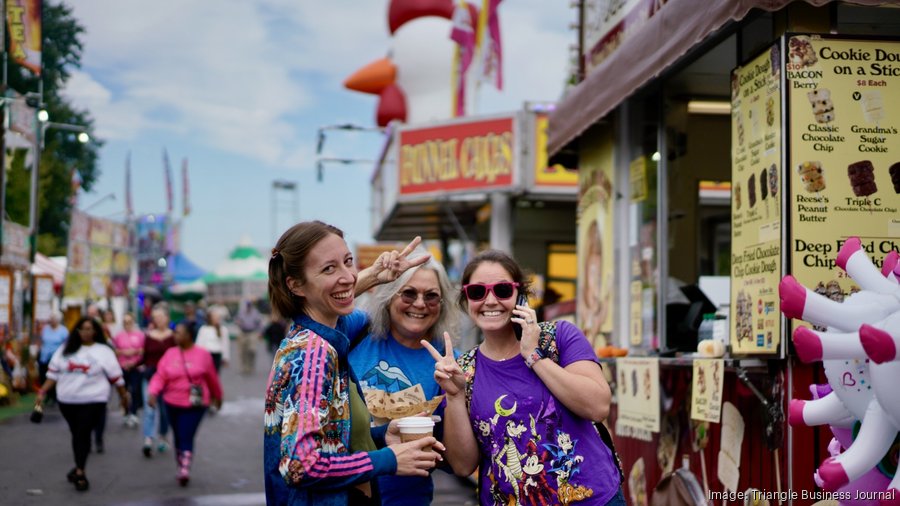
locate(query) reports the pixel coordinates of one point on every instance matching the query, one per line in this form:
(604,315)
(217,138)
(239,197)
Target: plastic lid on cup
(416,424)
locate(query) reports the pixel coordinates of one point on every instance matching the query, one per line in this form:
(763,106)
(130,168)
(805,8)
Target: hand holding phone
(521,300)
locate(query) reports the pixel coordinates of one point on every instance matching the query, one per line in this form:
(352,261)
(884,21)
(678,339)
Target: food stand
(785,104)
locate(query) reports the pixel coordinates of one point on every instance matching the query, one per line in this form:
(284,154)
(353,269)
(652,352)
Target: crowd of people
(530,420)
(168,372)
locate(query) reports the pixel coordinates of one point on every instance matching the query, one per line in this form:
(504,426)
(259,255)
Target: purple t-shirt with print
(533,449)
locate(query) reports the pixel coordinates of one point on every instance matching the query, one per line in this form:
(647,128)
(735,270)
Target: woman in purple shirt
(525,415)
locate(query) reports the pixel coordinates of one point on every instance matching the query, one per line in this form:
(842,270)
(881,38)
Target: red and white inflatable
(860,354)
(414,82)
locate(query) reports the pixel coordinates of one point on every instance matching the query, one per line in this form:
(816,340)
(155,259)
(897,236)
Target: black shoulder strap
(547,343)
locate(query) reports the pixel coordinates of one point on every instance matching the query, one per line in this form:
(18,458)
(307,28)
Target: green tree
(62,153)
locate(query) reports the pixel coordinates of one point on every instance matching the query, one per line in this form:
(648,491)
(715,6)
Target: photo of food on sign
(801,52)
(773,180)
(764,184)
(811,175)
(822,106)
(862,178)
(872,105)
(744,317)
(737,194)
(894,171)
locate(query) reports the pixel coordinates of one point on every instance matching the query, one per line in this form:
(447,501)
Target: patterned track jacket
(307,454)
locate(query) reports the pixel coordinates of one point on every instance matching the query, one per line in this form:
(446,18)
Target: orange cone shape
(372,78)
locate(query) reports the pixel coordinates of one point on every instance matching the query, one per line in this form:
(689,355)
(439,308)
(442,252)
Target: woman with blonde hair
(417,305)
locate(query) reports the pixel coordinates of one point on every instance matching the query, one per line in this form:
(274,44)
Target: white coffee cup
(415,427)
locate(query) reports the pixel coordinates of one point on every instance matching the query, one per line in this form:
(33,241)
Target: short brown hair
(498,257)
(289,260)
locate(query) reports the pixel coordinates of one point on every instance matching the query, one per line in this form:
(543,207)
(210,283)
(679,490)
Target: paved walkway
(227,469)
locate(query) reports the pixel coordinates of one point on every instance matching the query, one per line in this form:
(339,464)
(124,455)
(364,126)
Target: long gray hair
(378,302)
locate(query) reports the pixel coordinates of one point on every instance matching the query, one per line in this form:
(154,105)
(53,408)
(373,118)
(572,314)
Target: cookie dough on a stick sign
(844,155)
(756,205)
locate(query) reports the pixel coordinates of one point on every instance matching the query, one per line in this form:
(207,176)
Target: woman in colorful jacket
(318,445)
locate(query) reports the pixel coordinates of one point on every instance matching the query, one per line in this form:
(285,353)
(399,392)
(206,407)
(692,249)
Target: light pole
(320,145)
(283,185)
(43,126)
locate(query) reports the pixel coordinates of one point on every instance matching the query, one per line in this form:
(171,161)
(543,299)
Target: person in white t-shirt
(83,371)
(214,338)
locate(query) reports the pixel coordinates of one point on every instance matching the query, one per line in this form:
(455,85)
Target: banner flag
(186,189)
(489,43)
(463,33)
(24,20)
(168,174)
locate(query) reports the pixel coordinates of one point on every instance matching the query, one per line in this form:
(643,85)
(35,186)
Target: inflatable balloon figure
(859,352)
(864,490)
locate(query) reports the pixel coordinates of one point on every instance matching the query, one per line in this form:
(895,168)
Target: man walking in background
(250,322)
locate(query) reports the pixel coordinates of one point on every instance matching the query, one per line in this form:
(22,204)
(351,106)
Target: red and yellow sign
(468,156)
(544,174)
(24,20)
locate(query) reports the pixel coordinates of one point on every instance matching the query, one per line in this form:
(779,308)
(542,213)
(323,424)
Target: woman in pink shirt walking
(129,345)
(187,375)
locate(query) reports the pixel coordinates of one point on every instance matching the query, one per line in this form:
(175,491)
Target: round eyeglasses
(410,296)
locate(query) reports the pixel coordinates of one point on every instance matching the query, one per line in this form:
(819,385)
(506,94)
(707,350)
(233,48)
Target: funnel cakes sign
(464,156)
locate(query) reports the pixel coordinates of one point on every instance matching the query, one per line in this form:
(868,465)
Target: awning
(430,220)
(653,47)
(55,267)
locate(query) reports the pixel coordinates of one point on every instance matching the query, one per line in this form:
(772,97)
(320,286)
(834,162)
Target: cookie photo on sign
(894,171)
(811,176)
(862,178)
(822,106)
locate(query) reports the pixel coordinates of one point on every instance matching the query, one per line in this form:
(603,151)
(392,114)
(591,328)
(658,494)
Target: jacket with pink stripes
(307,454)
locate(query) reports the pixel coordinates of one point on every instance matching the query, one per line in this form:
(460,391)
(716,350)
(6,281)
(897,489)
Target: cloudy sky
(240,88)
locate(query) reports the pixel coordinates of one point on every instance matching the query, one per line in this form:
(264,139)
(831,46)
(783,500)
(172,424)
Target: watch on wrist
(534,357)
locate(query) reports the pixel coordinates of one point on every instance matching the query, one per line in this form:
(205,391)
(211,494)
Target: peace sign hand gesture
(447,372)
(391,264)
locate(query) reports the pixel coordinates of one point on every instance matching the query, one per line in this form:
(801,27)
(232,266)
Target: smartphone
(521,300)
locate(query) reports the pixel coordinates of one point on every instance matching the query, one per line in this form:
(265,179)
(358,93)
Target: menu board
(43,301)
(637,392)
(756,205)
(844,124)
(706,389)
